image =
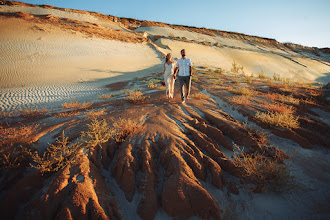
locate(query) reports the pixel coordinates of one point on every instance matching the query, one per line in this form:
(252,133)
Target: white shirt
(183,65)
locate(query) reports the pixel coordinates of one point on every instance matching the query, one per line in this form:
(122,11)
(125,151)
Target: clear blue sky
(305,22)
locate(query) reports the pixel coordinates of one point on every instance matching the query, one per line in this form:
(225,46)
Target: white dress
(169,80)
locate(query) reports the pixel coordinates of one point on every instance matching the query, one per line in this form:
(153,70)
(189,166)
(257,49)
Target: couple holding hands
(183,69)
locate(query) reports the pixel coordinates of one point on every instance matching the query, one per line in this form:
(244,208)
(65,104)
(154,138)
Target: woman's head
(168,57)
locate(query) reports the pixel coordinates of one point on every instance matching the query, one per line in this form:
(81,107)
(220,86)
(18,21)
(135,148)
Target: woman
(169,66)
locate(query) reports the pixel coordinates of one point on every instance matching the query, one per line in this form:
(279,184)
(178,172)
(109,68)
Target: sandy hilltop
(86,131)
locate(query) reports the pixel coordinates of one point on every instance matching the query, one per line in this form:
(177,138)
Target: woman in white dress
(169,79)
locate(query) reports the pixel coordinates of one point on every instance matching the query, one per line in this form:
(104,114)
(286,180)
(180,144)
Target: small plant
(262,75)
(278,119)
(277,77)
(56,156)
(136,97)
(235,68)
(31,113)
(265,172)
(219,71)
(240,100)
(98,133)
(106,96)
(123,128)
(289,99)
(281,108)
(76,105)
(94,113)
(13,145)
(248,79)
(152,84)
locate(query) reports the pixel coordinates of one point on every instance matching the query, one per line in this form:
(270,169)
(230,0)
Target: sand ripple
(50,97)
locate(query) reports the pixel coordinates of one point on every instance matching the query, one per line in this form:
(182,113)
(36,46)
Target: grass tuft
(265,172)
(240,100)
(76,105)
(123,128)
(135,97)
(278,119)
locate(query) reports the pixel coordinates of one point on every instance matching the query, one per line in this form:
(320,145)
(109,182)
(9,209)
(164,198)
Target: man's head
(183,53)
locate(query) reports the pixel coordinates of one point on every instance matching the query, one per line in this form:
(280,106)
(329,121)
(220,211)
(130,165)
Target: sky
(305,22)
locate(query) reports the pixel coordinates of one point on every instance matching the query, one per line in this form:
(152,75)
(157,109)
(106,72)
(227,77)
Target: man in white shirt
(184,65)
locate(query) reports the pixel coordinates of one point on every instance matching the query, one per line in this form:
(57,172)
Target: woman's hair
(166,59)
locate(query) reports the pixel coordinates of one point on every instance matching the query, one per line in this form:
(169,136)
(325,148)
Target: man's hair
(183,50)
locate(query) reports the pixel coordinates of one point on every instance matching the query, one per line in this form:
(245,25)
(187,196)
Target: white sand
(253,61)
(34,56)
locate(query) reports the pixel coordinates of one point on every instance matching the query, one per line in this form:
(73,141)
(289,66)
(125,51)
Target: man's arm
(190,70)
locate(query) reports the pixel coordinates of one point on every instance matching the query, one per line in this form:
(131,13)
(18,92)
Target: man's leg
(188,86)
(182,83)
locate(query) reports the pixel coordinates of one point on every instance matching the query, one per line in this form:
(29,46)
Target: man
(184,65)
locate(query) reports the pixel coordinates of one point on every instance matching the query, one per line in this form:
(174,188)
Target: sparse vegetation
(282,98)
(13,145)
(97,113)
(56,156)
(123,128)
(5,115)
(240,100)
(106,96)
(265,172)
(152,84)
(98,133)
(261,75)
(76,105)
(30,113)
(278,119)
(135,97)
(235,68)
(281,108)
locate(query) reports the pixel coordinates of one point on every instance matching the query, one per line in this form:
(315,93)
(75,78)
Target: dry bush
(152,84)
(56,156)
(265,172)
(243,91)
(136,97)
(106,96)
(17,135)
(261,75)
(13,145)
(240,100)
(289,99)
(281,108)
(123,128)
(31,113)
(277,77)
(235,68)
(282,98)
(199,95)
(219,71)
(98,133)
(76,105)
(94,113)
(278,119)
(67,114)
(248,79)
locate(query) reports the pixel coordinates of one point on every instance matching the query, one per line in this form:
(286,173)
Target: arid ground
(87,132)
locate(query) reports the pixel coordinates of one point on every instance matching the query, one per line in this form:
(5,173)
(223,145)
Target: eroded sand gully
(173,164)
